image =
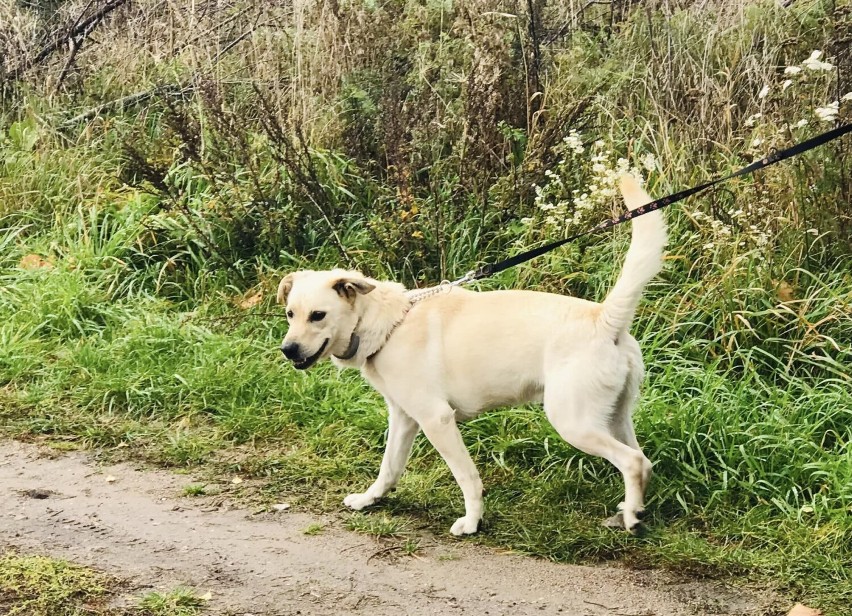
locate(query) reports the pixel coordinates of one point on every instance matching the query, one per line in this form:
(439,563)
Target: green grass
(195,489)
(313,529)
(752,466)
(380,526)
(177,602)
(41,586)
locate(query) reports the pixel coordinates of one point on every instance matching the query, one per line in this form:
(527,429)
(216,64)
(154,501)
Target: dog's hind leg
(401,432)
(580,414)
(621,427)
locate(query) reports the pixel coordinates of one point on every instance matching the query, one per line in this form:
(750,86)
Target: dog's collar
(354,343)
(414,296)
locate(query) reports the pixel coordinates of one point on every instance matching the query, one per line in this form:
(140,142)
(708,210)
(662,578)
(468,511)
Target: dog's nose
(290,350)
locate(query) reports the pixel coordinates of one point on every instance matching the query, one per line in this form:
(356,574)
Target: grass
(139,255)
(379,526)
(33,585)
(41,586)
(195,489)
(177,602)
(314,529)
(751,467)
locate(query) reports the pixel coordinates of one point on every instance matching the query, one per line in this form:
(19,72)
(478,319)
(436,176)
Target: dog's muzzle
(292,351)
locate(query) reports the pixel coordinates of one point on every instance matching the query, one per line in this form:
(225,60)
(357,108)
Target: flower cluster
(813,65)
(808,82)
(749,221)
(581,189)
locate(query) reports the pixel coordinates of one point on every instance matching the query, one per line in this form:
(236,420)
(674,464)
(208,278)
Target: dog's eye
(289,314)
(316,316)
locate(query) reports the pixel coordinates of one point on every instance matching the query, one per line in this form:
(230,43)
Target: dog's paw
(465,526)
(359,501)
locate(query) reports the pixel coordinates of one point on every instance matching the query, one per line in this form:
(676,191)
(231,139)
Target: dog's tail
(644,259)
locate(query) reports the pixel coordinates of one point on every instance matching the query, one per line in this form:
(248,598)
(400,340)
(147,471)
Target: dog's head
(322,313)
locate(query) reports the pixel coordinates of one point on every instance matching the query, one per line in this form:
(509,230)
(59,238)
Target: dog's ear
(349,287)
(284,288)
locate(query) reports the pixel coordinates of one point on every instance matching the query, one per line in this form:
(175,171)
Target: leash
(493,268)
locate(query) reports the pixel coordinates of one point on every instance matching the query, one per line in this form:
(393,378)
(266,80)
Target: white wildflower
(792,70)
(649,161)
(787,83)
(756,142)
(764,91)
(709,246)
(573,141)
(846,97)
(752,119)
(829,112)
(800,124)
(599,143)
(815,64)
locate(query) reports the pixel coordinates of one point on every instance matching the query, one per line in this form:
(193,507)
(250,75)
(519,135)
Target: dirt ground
(134,524)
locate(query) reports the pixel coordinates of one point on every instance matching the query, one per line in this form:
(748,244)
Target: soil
(135,524)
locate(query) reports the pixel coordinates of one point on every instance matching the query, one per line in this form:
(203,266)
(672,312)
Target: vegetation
(141,241)
(32,585)
(178,602)
(39,586)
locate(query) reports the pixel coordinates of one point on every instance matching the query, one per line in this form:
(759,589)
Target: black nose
(290,350)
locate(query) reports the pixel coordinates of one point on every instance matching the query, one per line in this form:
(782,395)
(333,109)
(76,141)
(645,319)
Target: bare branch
(81,28)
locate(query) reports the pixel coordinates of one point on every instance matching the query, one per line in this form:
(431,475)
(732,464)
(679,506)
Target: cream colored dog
(450,356)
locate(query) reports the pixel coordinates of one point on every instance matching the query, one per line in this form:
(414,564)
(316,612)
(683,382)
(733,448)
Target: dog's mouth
(310,361)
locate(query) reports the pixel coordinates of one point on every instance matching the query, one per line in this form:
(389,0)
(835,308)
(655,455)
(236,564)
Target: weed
(410,546)
(314,529)
(42,586)
(177,602)
(379,525)
(196,489)
(448,556)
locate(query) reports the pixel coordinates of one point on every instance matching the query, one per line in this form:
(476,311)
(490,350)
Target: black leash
(493,268)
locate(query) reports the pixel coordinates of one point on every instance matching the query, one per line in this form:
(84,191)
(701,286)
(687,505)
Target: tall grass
(139,253)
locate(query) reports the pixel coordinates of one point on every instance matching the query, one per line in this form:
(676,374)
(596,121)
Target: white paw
(465,526)
(359,501)
(628,519)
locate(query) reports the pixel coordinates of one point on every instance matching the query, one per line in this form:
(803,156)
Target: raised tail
(644,259)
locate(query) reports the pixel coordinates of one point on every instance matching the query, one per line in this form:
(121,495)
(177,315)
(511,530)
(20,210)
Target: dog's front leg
(401,432)
(443,433)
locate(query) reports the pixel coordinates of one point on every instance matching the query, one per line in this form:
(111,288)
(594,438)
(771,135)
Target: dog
(456,353)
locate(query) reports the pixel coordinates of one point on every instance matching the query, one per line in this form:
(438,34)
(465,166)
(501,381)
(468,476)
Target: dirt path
(139,528)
